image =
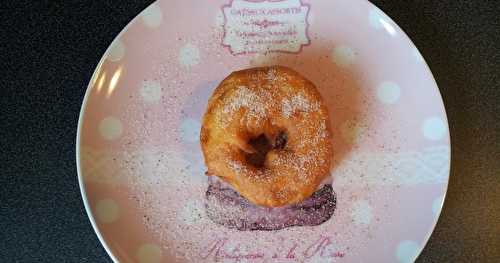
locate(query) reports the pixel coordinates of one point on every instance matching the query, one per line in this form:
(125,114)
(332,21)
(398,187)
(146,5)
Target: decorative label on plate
(265,26)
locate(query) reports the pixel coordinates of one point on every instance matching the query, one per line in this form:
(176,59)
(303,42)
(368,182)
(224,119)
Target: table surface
(49,51)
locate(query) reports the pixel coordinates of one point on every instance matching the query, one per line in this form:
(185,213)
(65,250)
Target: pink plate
(140,166)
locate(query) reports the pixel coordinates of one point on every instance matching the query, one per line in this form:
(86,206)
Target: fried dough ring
(266,132)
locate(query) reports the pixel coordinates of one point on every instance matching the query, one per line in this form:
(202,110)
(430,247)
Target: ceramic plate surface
(140,164)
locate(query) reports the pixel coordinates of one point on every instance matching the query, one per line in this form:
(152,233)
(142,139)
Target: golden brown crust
(268,101)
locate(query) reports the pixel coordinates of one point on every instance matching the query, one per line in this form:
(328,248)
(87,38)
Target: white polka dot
(219,19)
(436,205)
(189,55)
(190,130)
(351,131)
(343,56)
(434,128)
(192,213)
(107,211)
(149,253)
(117,51)
(110,128)
(150,91)
(388,92)
(379,20)
(362,213)
(152,16)
(407,251)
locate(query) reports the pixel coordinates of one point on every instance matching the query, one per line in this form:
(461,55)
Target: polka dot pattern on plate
(116,51)
(388,92)
(434,128)
(343,56)
(362,213)
(190,130)
(152,16)
(407,251)
(107,211)
(142,140)
(149,253)
(189,55)
(150,91)
(110,128)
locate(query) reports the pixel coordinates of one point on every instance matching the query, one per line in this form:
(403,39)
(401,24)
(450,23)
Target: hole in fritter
(280,141)
(262,146)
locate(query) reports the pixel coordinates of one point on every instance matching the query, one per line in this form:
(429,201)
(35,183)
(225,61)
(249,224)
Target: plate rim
(86,97)
(83,108)
(441,204)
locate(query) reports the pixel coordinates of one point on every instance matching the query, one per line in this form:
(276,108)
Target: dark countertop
(49,51)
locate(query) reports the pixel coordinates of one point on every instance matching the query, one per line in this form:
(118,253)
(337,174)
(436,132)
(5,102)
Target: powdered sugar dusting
(167,188)
(321,133)
(300,164)
(193,213)
(393,169)
(248,99)
(271,74)
(236,166)
(159,179)
(298,103)
(287,108)
(393,182)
